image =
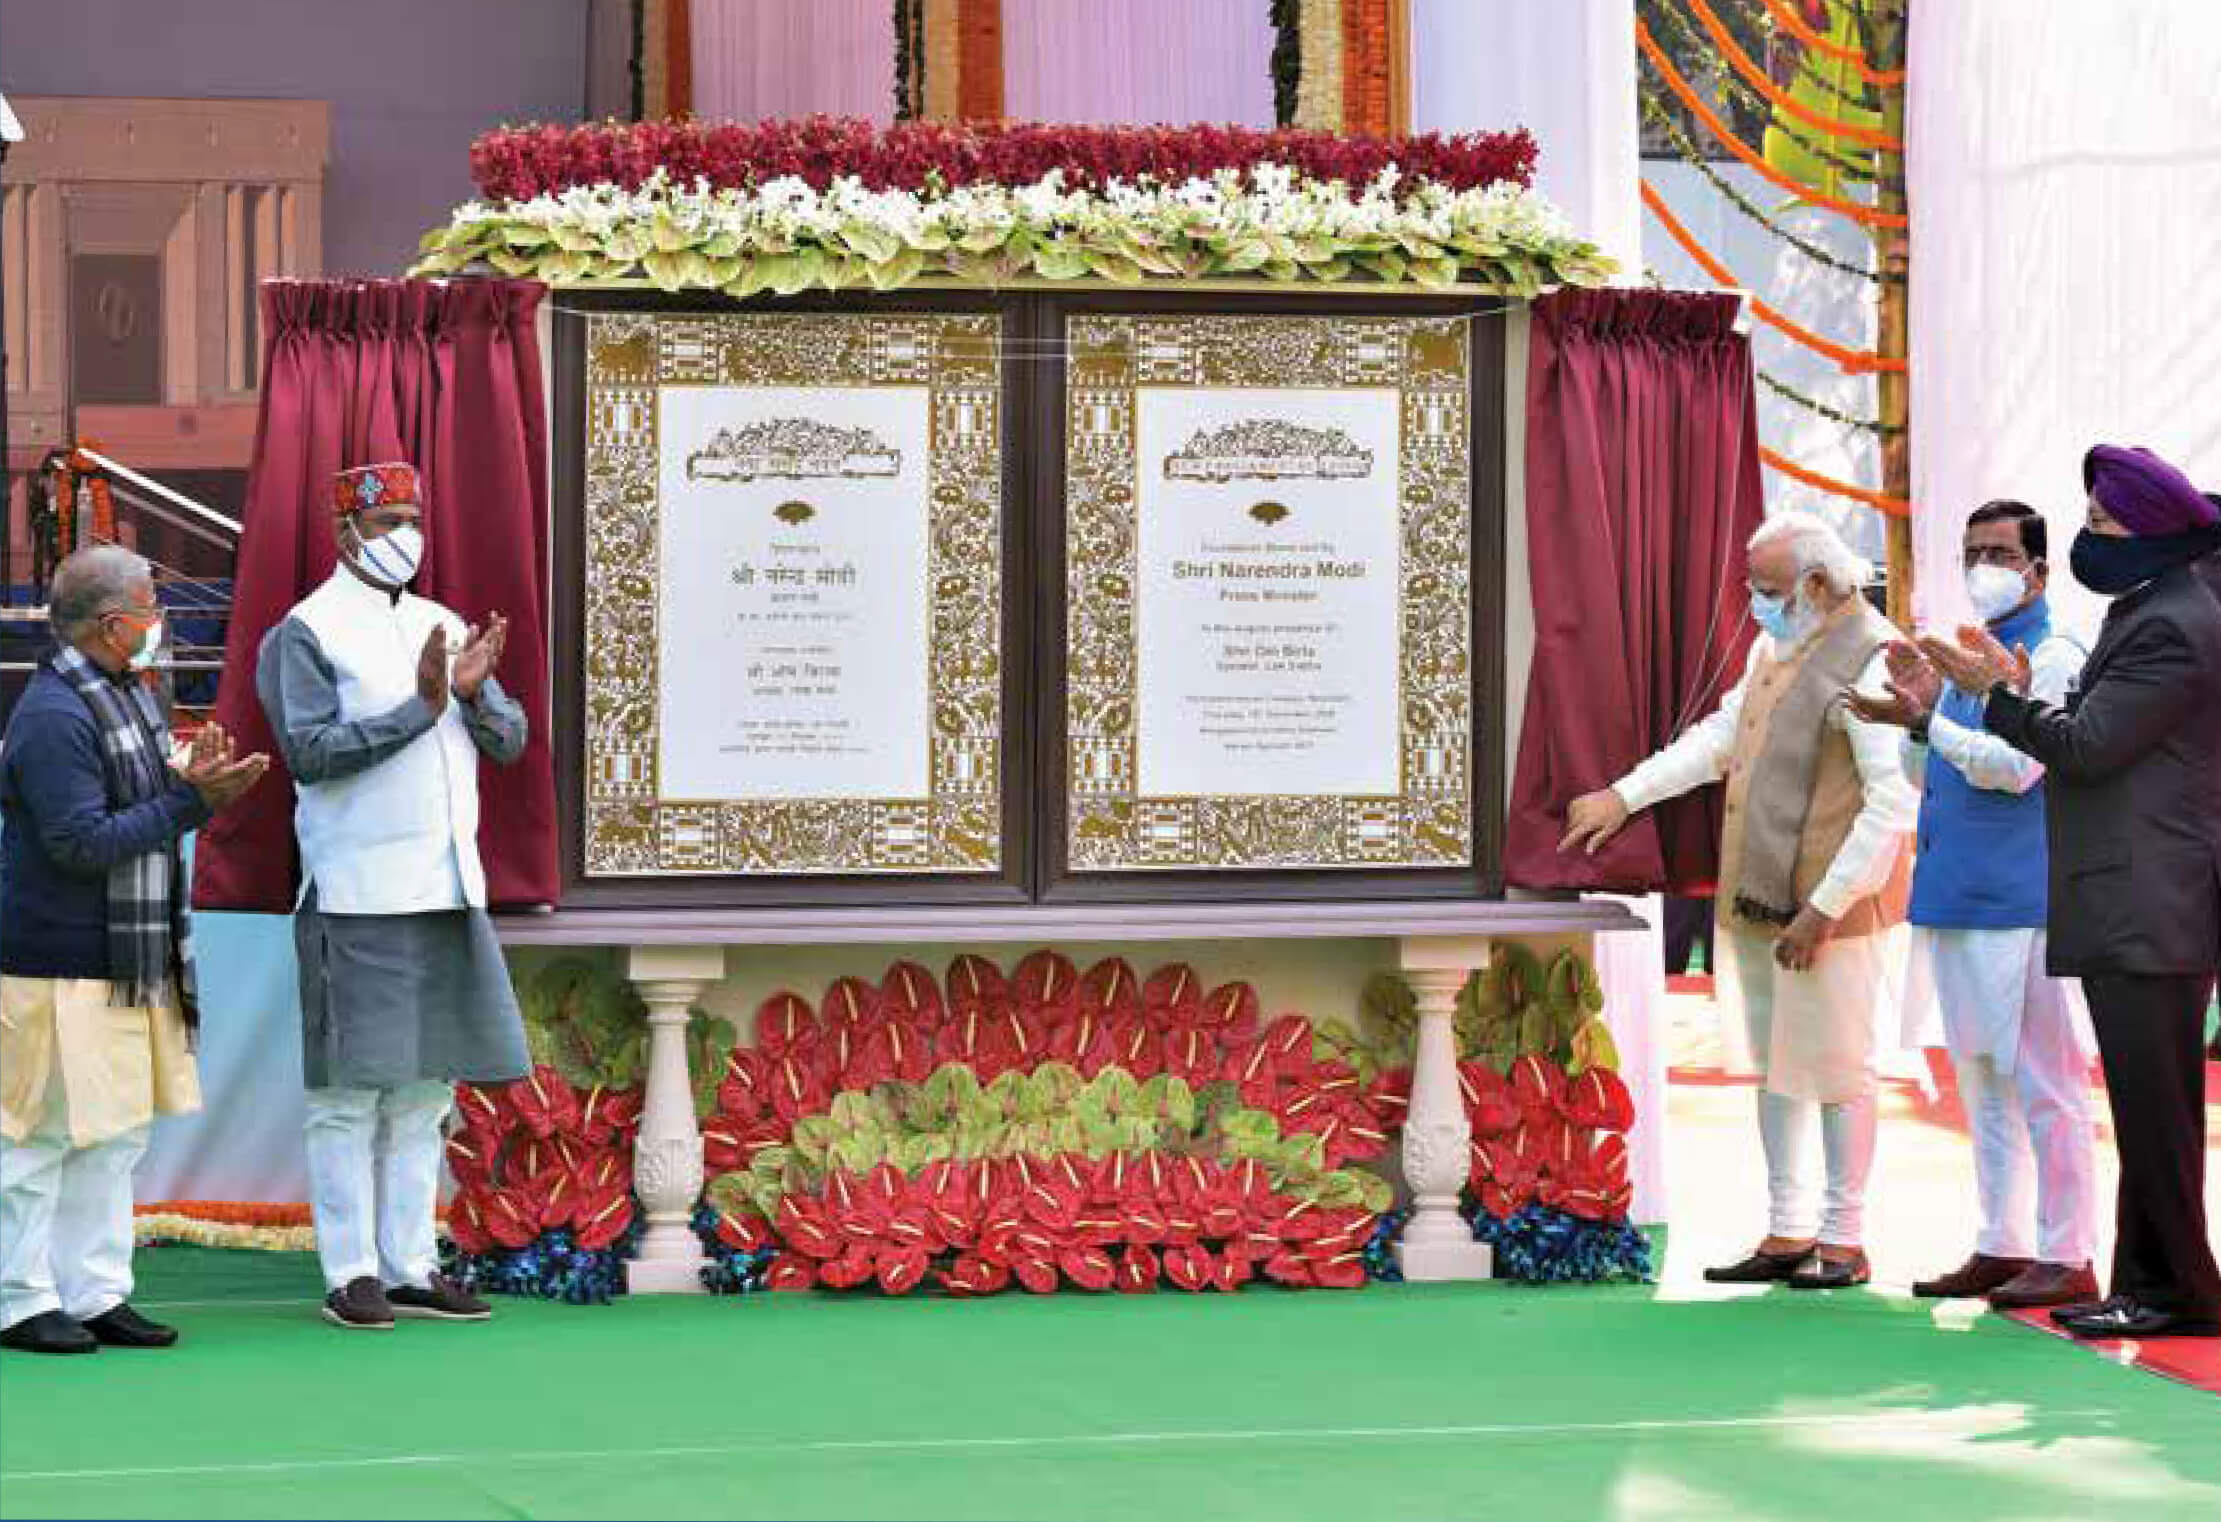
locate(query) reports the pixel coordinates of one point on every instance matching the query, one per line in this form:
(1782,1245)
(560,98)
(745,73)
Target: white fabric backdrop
(2065,179)
(1563,69)
(755,59)
(1140,61)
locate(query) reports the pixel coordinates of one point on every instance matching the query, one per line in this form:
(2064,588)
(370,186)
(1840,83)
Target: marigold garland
(1895,507)
(231,1212)
(1741,62)
(1685,34)
(1655,111)
(1785,12)
(165,1229)
(1855,361)
(1735,145)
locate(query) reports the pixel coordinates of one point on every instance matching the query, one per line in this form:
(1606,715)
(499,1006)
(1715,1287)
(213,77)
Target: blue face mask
(1775,613)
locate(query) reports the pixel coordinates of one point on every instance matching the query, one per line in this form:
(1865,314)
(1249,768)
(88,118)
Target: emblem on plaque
(793,449)
(1268,449)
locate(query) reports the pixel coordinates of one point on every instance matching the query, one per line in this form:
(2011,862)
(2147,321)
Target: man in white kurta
(2020,1040)
(1812,872)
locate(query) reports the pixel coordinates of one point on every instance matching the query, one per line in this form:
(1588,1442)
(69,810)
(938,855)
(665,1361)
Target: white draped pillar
(1565,70)
(2065,180)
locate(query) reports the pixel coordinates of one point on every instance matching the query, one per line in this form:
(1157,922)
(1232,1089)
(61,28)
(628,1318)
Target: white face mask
(149,646)
(1995,591)
(392,558)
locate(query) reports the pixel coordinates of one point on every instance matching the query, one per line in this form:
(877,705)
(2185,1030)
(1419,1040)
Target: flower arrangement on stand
(824,204)
(1538,1071)
(1047,1129)
(545,1204)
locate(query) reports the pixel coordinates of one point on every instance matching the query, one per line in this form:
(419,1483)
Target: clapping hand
(1914,689)
(481,653)
(1977,662)
(210,769)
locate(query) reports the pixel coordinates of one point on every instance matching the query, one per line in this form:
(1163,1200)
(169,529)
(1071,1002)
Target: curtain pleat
(447,377)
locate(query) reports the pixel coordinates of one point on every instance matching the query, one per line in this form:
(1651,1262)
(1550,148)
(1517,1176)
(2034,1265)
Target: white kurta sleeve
(1701,754)
(1987,761)
(1890,810)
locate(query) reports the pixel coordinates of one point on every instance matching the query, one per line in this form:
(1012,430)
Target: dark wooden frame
(1485,412)
(1035,867)
(1012,884)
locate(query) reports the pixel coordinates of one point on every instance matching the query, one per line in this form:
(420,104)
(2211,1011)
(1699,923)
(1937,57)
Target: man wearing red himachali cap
(2132,765)
(382,703)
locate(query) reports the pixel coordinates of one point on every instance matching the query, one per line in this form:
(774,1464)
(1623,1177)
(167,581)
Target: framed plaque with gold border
(1279,601)
(790,563)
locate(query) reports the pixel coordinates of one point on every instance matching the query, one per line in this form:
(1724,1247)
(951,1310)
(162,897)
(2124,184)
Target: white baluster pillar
(667,1158)
(1437,1244)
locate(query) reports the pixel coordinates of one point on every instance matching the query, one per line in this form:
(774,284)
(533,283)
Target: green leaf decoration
(1170,1100)
(1593,1046)
(708,1039)
(813,1137)
(731,1193)
(1117,1091)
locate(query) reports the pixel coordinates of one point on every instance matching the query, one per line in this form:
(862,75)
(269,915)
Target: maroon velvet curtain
(1642,488)
(446,376)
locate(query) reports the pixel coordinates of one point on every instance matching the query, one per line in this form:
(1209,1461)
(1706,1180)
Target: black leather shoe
(124,1327)
(359,1306)
(48,1332)
(1817,1272)
(2124,1316)
(442,1300)
(1759,1268)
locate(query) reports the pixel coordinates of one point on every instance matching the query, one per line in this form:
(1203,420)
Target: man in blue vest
(2020,1041)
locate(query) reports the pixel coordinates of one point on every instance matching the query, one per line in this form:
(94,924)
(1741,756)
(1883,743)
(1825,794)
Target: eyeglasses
(1996,554)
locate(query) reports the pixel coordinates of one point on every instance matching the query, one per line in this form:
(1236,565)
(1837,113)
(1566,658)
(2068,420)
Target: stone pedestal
(1437,1244)
(667,1159)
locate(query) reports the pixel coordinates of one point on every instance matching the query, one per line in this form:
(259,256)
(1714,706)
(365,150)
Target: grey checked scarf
(150,941)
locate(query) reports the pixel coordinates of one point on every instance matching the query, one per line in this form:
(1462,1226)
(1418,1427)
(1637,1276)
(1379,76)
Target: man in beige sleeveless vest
(1813,868)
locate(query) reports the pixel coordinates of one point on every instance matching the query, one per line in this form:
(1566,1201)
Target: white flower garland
(787,235)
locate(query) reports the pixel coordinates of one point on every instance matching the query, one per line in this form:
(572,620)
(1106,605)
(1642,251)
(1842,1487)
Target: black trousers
(1688,926)
(2151,1038)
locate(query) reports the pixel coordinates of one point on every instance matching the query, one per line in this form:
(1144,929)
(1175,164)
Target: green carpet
(1423,1402)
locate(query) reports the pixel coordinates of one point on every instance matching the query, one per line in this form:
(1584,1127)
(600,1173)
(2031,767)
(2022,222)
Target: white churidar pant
(2022,1045)
(374,1180)
(65,1217)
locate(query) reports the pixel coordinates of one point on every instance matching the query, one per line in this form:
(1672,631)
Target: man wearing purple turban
(2133,769)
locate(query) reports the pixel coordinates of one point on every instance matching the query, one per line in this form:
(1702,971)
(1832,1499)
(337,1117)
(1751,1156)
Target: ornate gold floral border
(1429,822)
(630,828)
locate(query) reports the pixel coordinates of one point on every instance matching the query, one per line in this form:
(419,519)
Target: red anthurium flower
(805,1226)
(1302,1221)
(554,1196)
(745,1231)
(1598,1099)
(597,1125)
(1191,1053)
(1491,1106)
(1036,1274)
(1083,1039)
(967,1036)
(1537,1083)
(901,1272)
(1021,1038)
(721,1151)
(484,1110)
(1289,1036)
(1047,984)
(1608,1163)
(1090,1268)
(1138,1270)
(602,1219)
(893,1051)
(1344,1270)
(849,1002)
(1188,1267)
(974,983)
(605,1171)
(1135,1047)
(784,1024)
(871,1058)
(1173,996)
(910,996)
(510,1218)
(469,1160)
(851,1268)
(543,1103)
(973,1275)
(1287,1266)
(466,1221)
(623,1107)
(1110,987)
(798,1088)
(788,1272)
(1233,1010)
(886,1186)
(1390,1098)
(1477,1169)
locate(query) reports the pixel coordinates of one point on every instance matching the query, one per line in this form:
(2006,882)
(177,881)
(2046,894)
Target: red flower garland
(518,163)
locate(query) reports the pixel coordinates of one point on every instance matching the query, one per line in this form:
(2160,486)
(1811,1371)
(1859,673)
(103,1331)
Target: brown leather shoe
(2046,1284)
(1974,1278)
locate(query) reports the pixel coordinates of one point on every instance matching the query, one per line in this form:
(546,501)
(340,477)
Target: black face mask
(2110,566)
